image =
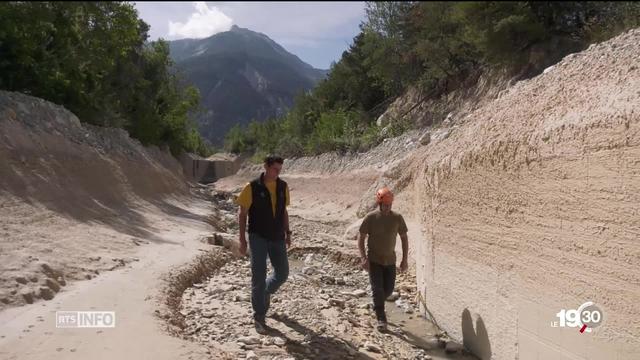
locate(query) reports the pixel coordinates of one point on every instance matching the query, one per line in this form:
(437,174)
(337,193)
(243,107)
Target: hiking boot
(382,326)
(261,326)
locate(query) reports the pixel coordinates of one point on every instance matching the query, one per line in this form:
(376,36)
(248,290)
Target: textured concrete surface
(532,205)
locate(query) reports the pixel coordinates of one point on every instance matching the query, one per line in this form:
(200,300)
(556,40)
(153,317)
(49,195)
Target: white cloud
(203,23)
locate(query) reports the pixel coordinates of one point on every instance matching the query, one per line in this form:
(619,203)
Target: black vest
(261,219)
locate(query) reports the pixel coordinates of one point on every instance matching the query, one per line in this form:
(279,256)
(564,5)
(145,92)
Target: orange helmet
(384,196)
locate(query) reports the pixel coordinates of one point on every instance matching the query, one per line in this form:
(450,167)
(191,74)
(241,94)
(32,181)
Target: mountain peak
(242,41)
(242,75)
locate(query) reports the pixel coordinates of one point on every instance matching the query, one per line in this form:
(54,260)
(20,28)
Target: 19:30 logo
(587,317)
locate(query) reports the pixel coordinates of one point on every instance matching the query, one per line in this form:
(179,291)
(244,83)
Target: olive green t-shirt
(382,231)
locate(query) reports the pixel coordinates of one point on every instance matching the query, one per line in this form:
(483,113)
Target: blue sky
(317,32)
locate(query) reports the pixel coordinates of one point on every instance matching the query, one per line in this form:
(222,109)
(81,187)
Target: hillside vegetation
(436,47)
(93,58)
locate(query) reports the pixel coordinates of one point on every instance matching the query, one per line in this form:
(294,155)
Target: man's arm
(405,251)
(242,222)
(286,227)
(286,220)
(364,262)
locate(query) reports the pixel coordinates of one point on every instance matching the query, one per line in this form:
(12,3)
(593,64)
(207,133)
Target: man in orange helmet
(382,226)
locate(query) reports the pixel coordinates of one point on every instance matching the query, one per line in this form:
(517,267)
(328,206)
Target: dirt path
(29,332)
(323,311)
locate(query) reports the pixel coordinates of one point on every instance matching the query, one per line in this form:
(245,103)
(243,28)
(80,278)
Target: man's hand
(287,238)
(242,221)
(403,266)
(243,244)
(364,263)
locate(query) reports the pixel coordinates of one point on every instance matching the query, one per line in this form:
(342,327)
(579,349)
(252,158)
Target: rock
(382,120)
(393,297)
(341,281)
(359,293)
(449,119)
(249,340)
(215,291)
(351,351)
(251,355)
(406,288)
(21,280)
(33,278)
(279,341)
(227,287)
(336,302)
(353,230)
(309,270)
(452,347)
(329,280)
(242,297)
(425,139)
(46,293)
(433,343)
(208,314)
(49,271)
(372,347)
(308,259)
(209,239)
(28,295)
(52,284)
(218,240)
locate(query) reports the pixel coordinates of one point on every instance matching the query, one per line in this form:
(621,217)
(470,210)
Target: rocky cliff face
(532,205)
(47,152)
(70,191)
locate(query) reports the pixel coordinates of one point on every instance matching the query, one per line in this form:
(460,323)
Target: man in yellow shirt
(382,227)
(264,201)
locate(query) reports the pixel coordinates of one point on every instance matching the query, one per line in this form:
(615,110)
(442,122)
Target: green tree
(93,58)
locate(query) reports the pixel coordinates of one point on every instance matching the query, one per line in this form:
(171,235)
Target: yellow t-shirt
(245,198)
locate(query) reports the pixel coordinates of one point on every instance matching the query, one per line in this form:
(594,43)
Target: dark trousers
(383,279)
(260,286)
